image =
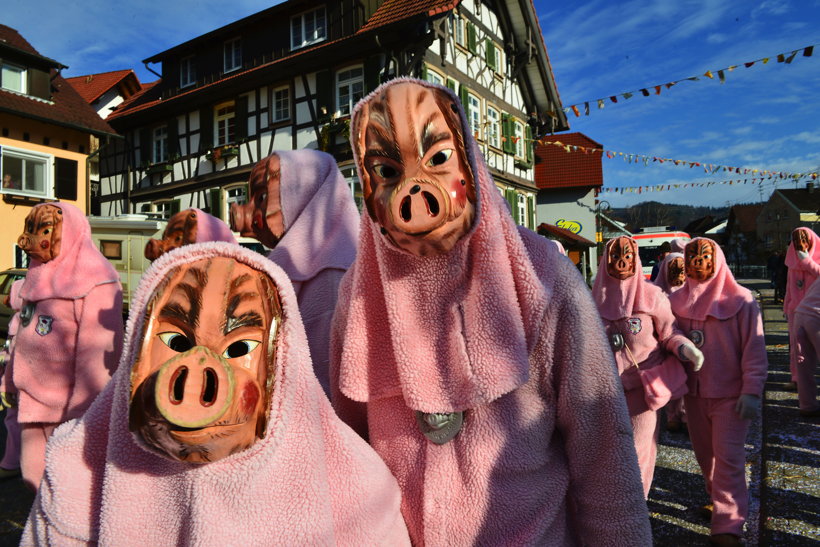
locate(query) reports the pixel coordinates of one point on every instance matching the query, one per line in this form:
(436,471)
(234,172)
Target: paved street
(783,472)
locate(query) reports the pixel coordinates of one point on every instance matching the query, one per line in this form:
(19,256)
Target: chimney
(810,187)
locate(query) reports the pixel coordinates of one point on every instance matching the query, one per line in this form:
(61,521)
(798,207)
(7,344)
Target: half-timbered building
(289,76)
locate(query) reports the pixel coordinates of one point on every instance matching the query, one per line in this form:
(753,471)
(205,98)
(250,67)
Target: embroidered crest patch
(634,324)
(43,324)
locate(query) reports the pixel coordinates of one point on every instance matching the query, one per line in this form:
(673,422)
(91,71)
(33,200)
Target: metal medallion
(697,338)
(799,283)
(27,313)
(440,428)
(616,341)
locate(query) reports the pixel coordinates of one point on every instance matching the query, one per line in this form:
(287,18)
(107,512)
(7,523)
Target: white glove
(802,255)
(747,406)
(688,352)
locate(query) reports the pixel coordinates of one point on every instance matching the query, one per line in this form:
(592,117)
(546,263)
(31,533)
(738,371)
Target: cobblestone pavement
(782,469)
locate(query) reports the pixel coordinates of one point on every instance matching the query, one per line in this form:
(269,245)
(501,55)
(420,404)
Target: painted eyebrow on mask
(385,146)
(235,298)
(429,138)
(193,295)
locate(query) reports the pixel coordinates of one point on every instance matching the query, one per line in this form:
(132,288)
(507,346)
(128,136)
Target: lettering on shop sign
(572,225)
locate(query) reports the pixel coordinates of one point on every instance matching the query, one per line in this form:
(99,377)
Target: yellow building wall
(62,143)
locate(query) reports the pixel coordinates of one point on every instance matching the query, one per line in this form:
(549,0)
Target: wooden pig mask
(42,233)
(700,260)
(675,272)
(200,387)
(416,179)
(621,258)
(181,230)
(801,240)
(261,217)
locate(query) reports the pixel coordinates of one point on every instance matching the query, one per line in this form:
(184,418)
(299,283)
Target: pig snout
(194,389)
(153,249)
(242,217)
(419,207)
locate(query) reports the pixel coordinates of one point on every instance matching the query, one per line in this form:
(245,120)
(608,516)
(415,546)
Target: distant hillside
(652,213)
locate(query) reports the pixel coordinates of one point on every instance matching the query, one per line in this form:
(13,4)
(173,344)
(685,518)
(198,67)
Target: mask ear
(359,132)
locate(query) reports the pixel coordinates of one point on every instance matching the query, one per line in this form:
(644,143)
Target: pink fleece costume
(319,244)
(727,320)
(802,274)
(639,312)
(310,481)
(69,339)
(11,454)
(675,409)
(501,328)
(210,228)
(806,324)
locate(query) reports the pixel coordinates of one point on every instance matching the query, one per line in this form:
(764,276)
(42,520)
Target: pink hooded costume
(802,274)
(310,481)
(501,331)
(69,339)
(11,455)
(806,325)
(724,319)
(636,313)
(662,281)
(675,409)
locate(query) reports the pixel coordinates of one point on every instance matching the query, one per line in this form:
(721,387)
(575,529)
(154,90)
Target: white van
(649,242)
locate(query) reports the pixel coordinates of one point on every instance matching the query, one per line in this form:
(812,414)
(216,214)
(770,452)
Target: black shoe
(790,386)
(810,413)
(9,473)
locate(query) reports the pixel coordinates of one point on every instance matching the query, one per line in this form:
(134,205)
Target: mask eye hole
(240,348)
(385,171)
(176,341)
(440,157)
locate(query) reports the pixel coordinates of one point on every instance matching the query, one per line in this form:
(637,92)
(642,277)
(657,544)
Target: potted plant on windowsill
(223,152)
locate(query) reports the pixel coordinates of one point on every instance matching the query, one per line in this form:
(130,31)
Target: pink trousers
(718,436)
(794,353)
(33,439)
(645,432)
(807,328)
(11,455)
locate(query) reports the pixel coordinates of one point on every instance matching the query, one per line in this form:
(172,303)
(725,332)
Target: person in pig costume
(300,206)
(468,350)
(70,333)
(10,464)
(671,277)
(186,227)
(806,324)
(802,259)
(643,335)
(723,320)
(214,430)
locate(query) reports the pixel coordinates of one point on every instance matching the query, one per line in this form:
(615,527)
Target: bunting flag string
(785,58)
(708,168)
(678,186)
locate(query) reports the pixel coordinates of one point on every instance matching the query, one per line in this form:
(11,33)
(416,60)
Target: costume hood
(321,220)
(449,331)
(662,280)
(792,260)
(210,228)
(617,298)
(720,296)
(310,480)
(77,269)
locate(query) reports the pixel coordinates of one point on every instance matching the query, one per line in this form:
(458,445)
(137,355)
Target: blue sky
(765,117)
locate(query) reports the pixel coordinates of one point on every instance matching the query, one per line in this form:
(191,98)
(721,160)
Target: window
(13,78)
(111,249)
(307,28)
(25,172)
(458,30)
(160,141)
(434,77)
(518,139)
(352,178)
(521,203)
(349,89)
(233,54)
(280,104)
(493,127)
(225,124)
(499,60)
(187,72)
(162,210)
(474,114)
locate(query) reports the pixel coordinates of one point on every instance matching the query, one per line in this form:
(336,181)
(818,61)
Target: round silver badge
(440,427)
(696,336)
(27,313)
(616,341)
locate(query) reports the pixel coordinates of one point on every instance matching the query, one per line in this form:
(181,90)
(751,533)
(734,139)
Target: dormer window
(308,28)
(224,124)
(187,72)
(13,78)
(233,55)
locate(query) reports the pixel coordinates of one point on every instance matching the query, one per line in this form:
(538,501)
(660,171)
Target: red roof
(92,86)
(557,168)
(66,108)
(393,11)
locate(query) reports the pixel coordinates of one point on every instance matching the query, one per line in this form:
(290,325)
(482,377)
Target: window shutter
(530,210)
(463,96)
(175,206)
(65,179)
(146,144)
(216,203)
(173,139)
(39,83)
(509,194)
(472,39)
(528,145)
(506,132)
(241,115)
(372,69)
(206,128)
(451,84)
(324,94)
(424,71)
(489,50)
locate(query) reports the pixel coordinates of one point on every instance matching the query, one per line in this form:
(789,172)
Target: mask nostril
(178,385)
(432,203)
(404,209)
(209,387)
(415,189)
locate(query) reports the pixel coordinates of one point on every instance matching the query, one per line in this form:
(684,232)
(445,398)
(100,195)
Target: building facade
(288,78)
(785,211)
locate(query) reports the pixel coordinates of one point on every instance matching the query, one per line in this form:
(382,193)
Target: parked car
(7,277)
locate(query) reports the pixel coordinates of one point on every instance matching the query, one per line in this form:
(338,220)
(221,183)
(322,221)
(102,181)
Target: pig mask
(700,260)
(416,179)
(200,388)
(43,233)
(801,240)
(676,272)
(621,262)
(261,217)
(181,230)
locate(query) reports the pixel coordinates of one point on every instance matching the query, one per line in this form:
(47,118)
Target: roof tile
(557,168)
(92,86)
